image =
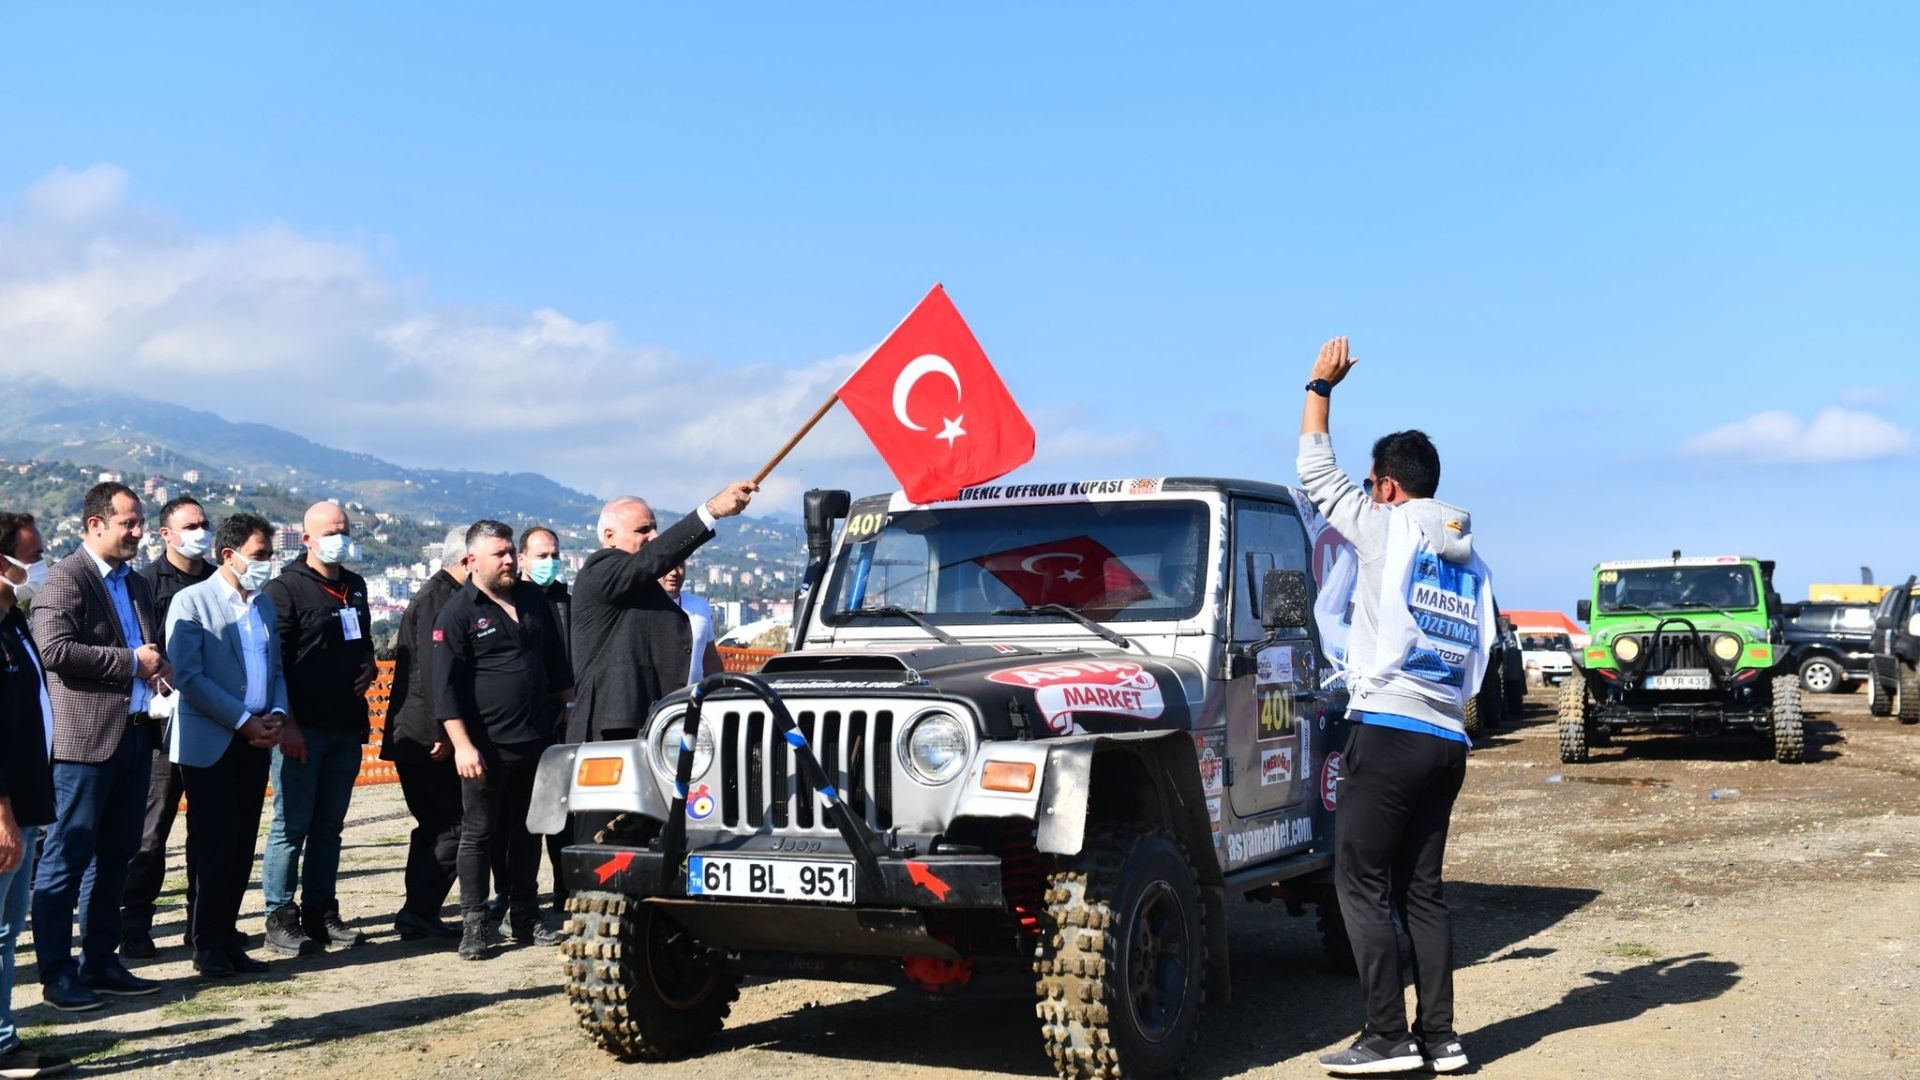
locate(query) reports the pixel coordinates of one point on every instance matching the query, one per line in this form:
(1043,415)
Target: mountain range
(49,422)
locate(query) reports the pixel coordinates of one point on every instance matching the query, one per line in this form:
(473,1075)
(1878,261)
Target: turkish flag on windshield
(1078,572)
(935,408)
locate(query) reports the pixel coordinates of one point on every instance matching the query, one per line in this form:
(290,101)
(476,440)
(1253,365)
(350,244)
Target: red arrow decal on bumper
(612,866)
(924,877)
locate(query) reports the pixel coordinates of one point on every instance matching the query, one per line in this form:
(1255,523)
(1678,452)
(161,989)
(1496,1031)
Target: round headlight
(1627,649)
(935,749)
(1727,647)
(666,748)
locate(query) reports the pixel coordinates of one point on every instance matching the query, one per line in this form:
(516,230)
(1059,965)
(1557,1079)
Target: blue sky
(1649,276)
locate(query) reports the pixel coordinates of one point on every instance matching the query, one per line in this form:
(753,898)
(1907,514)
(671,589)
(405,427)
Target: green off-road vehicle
(1689,645)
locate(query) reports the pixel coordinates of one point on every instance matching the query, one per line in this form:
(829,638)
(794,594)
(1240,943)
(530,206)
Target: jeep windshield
(1728,587)
(992,565)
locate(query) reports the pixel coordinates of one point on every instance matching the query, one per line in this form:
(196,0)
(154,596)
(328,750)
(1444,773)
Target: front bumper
(955,882)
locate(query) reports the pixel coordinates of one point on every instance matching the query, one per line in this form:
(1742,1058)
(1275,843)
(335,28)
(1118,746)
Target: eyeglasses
(1367,485)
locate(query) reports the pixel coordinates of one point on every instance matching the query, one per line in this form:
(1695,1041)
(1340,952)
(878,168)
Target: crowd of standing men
(208,675)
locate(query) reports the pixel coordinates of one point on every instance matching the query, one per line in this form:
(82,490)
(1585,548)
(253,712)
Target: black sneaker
(284,935)
(535,932)
(24,1063)
(1373,1055)
(1444,1055)
(329,929)
(136,943)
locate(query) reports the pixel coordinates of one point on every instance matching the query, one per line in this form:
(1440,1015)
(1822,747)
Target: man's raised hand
(1333,363)
(733,500)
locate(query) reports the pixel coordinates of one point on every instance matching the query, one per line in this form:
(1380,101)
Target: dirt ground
(1612,919)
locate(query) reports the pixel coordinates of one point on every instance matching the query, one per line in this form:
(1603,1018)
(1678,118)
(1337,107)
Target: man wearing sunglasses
(1422,626)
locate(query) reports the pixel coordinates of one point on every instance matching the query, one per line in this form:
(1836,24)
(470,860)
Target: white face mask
(193,543)
(336,549)
(254,574)
(36,576)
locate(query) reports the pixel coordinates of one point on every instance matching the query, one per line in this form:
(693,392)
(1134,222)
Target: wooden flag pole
(782,453)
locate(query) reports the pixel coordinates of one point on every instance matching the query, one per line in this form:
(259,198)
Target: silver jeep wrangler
(1028,741)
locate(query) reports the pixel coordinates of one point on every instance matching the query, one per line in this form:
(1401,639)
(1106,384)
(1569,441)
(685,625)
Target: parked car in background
(1550,654)
(1830,645)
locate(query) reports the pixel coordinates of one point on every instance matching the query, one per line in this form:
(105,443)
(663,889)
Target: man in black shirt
(26,773)
(499,669)
(183,525)
(421,753)
(540,564)
(326,642)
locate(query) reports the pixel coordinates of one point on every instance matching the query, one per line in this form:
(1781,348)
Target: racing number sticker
(861,526)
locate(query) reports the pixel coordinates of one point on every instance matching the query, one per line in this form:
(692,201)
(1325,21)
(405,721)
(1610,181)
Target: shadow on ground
(1612,997)
(1287,1000)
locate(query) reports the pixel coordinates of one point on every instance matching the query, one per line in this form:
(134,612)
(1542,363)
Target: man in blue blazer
(222,636)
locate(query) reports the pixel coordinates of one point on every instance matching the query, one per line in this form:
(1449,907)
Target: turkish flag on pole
(935,408)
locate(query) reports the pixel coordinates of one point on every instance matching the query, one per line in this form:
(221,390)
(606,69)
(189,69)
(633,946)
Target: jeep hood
(1016,688)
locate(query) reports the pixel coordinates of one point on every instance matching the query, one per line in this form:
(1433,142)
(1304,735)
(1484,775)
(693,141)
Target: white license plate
(1680,682)
(828,881)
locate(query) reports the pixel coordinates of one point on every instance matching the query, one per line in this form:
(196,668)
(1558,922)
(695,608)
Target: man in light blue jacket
(232,702)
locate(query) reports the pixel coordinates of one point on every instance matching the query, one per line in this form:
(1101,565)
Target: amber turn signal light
(600,771)
(1015,776)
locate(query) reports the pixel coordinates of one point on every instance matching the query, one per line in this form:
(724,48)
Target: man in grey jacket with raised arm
(1422,621)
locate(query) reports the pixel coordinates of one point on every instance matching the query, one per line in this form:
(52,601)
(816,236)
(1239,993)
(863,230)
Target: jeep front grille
(1676,651)
(760,784)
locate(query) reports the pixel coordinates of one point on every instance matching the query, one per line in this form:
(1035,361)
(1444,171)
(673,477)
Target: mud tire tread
(1906,704)
(612,995)
(1078,960)
(1789,735)
(1573,721)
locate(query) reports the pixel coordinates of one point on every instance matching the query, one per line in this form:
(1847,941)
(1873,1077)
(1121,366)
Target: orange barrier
(746,661)
(375,771)
(372,769)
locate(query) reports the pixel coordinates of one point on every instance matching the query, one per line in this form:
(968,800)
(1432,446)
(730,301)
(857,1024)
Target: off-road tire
(1788,733)
(1128,880)
(1906,698)
(1334,942)
(1573,721)
(1822,675)
(1879,698)
(617,991)
(1515,699)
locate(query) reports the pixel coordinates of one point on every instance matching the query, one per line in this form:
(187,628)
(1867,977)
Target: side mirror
(1283,600)
(1506,625)
(820,508)
(1883,622)
(1583,611)
(1792,611)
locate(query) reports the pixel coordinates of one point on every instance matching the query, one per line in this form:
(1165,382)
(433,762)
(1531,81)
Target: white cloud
(1781,438)
(274,325)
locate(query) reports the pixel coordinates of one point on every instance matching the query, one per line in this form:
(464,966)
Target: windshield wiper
(1702,605)
(917,618)
(1076,616)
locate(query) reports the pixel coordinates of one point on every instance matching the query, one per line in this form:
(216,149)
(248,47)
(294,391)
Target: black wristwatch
(1321,387)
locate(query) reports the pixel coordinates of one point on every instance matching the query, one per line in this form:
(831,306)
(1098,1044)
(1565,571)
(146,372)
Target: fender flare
(1067,795)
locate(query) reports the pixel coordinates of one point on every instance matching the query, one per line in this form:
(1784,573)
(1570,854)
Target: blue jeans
(98,812)
(15,886)
(309,809)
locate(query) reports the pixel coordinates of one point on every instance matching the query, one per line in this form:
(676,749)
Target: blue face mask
(337,549)
(543,571)
(253,574)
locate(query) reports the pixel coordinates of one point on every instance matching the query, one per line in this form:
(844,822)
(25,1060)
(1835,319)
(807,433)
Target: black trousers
(147,870)
(1390,838)
(223,828)
(434,798)
(495,812)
